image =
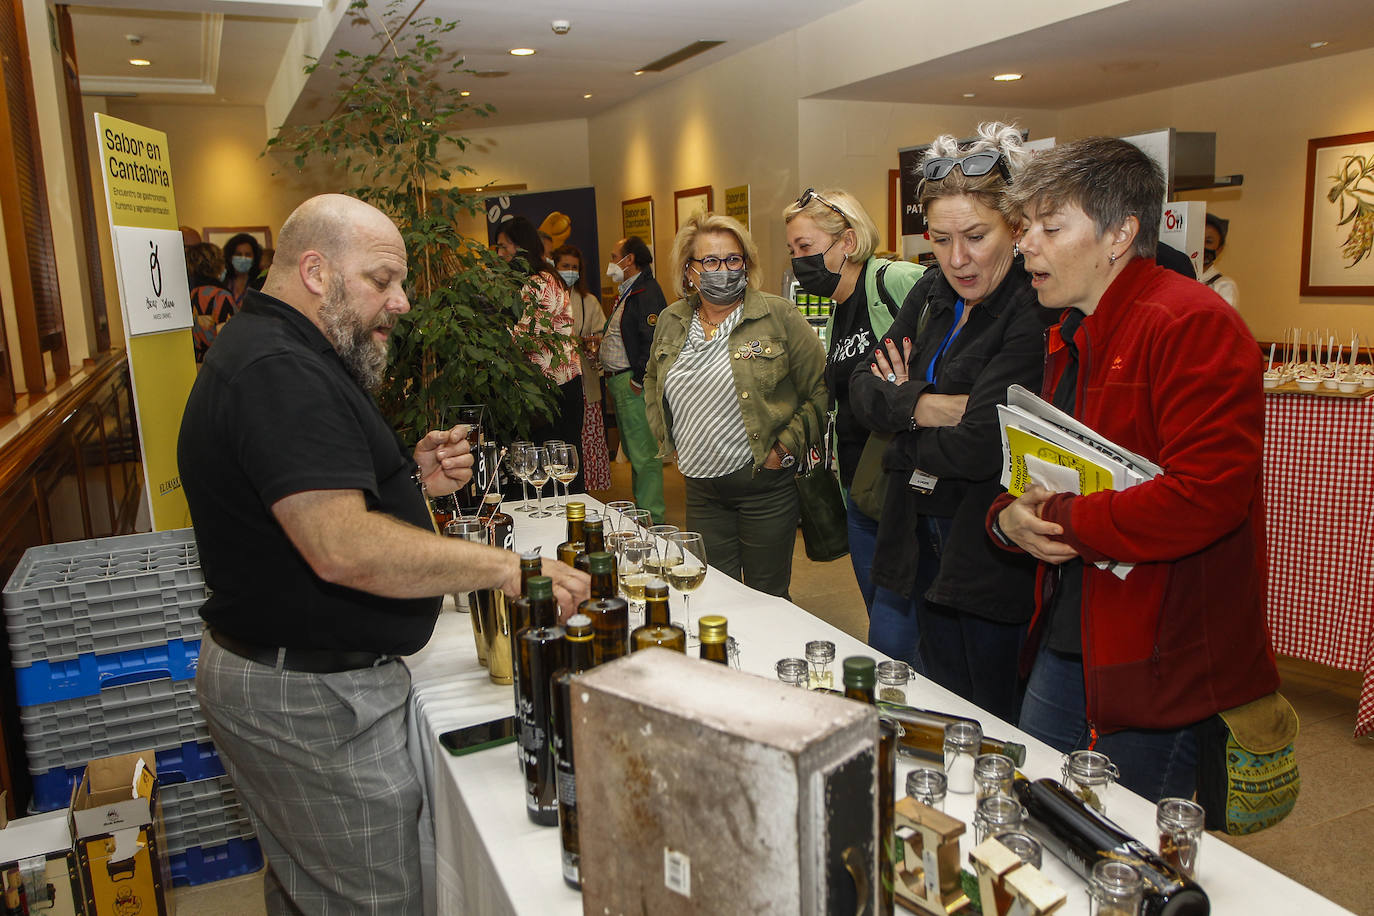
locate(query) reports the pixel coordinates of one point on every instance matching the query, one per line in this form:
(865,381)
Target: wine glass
(565,464)
(537,467)
(634,553)
(516,460)
(554,468)
(633,523)
(685,561)
(658,535)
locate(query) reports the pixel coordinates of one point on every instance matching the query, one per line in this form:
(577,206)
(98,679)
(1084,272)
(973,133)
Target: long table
(1319,500)
(489,859)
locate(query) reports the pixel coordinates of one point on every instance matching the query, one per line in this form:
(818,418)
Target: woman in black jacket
(963,335)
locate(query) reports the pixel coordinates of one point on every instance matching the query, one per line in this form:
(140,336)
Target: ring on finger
(892,376)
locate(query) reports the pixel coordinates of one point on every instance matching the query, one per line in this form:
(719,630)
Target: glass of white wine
(515,459)
(633,555)
(564,470)
(537,471)
(685,564)
(658,563)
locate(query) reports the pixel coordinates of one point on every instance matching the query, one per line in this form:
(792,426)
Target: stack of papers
(1041,444)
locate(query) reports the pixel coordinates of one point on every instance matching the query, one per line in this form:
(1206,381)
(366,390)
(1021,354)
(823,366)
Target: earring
(1016,251)
(1112,258)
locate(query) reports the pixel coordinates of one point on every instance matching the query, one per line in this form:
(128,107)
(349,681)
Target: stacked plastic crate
(104,638)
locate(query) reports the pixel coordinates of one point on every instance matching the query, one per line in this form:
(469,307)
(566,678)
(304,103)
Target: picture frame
(1338,217)
(637,218)
(689,201)
(218,235)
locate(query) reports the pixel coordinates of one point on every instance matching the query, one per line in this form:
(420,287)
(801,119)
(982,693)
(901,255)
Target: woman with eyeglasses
(831,240)
(964,334)
(734,385)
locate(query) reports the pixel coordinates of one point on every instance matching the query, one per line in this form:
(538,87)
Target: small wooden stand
(1009,888)
(927,880)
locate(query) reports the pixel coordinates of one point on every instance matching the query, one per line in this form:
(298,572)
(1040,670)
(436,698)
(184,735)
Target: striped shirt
(708,427)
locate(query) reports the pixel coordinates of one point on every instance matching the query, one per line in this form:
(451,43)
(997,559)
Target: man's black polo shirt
(272,413)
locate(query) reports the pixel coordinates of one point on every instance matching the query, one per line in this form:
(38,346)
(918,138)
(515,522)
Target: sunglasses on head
(972,165)
(810,194)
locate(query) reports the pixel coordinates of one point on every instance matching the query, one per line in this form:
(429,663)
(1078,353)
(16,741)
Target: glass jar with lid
(927,786)
(992,775)
(892,681)
(820,653)
(962,742)
(793,671)
(1180,832)
(1088,774)
(1115,889)
(997,814)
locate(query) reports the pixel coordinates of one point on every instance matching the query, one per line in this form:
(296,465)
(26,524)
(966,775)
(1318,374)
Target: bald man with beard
(322,563)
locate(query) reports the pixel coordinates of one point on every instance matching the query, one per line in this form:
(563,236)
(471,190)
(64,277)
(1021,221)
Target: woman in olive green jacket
(734,385)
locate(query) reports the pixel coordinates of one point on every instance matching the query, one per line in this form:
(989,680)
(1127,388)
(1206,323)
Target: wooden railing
(71,473)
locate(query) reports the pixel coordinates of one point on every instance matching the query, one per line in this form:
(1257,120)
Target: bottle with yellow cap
(714,639)
(577,539)
(657,629)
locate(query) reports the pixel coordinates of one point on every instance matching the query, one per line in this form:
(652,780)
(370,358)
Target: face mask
(813,276)
(1208,256)
(569,276)
(615,272)
(722,287)
(241,265)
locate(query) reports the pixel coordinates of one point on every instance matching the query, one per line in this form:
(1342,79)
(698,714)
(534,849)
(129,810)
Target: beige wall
(1263,121)
(686,134)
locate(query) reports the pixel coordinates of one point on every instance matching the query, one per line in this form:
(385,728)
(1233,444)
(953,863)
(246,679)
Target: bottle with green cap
(657,629)
(610,613)
(578,637)
(714,639)
(540,647)
(859,677)
(923,734)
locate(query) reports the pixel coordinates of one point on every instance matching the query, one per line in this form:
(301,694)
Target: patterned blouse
(549,300)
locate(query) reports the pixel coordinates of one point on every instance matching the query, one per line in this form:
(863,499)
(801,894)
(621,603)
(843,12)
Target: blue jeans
(893,623)
(1155,764)
(863,534)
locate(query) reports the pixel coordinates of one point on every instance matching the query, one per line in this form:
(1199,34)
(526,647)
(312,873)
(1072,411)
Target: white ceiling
(208,51)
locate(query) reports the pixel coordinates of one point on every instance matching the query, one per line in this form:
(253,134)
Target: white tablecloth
(489,858)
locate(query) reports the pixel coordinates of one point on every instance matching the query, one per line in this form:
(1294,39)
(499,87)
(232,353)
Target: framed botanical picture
(689,201)
(637,218)
(1338,218)
(218,235)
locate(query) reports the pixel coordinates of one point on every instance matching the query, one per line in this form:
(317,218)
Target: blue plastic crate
(184,763)
(203,864)
(89,673)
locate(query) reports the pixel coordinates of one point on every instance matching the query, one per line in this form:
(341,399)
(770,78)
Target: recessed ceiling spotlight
(465,92)
(586,95)
(1007,77)
(970,95)
(639,73)
(1318,44)
(140,62)
(522,52)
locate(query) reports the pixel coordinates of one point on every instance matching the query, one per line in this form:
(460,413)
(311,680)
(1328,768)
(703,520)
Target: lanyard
(944,344)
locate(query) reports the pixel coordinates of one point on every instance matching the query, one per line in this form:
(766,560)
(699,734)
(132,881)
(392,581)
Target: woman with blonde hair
(734,385)
(831,240)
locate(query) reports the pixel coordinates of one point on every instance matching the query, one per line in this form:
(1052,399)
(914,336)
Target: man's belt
(312,661)
(613,374)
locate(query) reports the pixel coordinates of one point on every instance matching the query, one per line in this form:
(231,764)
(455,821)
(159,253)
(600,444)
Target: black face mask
(813,276)
(1208,256)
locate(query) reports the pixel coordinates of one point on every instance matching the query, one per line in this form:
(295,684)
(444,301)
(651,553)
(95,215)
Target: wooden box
(701,789)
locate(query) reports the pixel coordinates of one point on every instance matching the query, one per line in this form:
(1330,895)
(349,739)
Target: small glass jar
(962,741)
(992,775)
(819,654)
(793,671)
(1180,832)
(997,814)
(927,786)
(892,682)
(1115,889)
(1088,774)
(1026,847)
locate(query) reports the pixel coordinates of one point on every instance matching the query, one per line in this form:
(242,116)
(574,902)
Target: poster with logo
(737,203)
(141,203)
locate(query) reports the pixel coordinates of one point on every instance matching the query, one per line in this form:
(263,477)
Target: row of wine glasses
(536,465)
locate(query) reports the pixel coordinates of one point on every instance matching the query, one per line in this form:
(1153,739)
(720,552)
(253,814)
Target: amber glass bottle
(593,540)
(577,540)
(657,630)
(714,639)
(859,678)
(578,638)
(610,614)
(923,734)
(656,603)
(540,647)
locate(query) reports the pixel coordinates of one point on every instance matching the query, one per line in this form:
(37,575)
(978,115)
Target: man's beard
(363,356)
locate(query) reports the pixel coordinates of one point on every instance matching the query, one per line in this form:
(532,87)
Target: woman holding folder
(948,600)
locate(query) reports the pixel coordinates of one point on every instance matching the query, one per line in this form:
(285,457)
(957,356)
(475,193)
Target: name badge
(922,482)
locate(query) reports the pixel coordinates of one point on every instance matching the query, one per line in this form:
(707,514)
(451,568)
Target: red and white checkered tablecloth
(1319,501)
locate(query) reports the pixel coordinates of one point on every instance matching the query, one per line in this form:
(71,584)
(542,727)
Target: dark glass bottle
(715,639)
(610,614)
(576,542)
(578,639)
(444,509)
(521,619)
(924,734)
(859,678)
(887,787)
(540,647)
(656,603)
(657,629)
(1080,836)
(593,540)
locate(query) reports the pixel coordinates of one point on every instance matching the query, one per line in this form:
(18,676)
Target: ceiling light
(140,62)
(586,95)
(1007,77)
(970,95)
(522,52)
(465,93)
(1318,44)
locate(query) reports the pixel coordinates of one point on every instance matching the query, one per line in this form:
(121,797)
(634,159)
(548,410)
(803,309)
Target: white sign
(1182,226)
(152,277)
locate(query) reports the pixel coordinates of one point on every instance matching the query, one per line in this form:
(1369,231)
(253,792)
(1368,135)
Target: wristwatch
(786,458)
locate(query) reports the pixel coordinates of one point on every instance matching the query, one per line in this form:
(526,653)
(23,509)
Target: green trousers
(640,446)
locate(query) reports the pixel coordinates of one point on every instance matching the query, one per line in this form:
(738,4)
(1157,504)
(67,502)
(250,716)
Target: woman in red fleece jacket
(1164,367)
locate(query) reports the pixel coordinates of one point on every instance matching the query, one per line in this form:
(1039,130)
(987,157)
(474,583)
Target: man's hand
(570,586)
(939,409)
(1022,523)
(445,460)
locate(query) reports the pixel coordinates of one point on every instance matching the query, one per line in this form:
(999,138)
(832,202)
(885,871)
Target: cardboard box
(117,828)
(702,789)
(36,855)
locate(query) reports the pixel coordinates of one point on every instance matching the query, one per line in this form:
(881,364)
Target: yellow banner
(156,303)
(737,203)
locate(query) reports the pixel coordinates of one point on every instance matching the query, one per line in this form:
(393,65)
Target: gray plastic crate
(149,714)
(203,813)
(104,595)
